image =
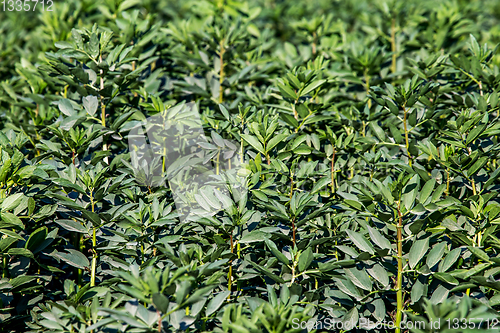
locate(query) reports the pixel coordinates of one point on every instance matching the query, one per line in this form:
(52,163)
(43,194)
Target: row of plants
(364,135)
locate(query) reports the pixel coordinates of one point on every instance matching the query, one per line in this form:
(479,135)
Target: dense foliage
(369,135)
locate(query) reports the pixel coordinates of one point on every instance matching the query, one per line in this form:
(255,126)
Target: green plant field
(362,137)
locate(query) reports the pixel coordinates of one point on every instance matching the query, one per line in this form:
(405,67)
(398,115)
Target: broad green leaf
(12,201)
(360,241)
(436,254)
(427,190)
(90,104)
(66,107)
(254,236)
(216,302)
(74,258)
(161,302)
(417,251)
(410,192)
(445,277)
(449,260)
(254,142)
(305,259)
(71,225)
(479,253)
(359,277)
(379,239)
(277,253)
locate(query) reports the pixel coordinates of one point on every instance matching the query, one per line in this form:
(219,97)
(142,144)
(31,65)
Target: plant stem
(473,183)
(221,73)
(4,261)
(94,245)
(332,171)
(399,283)
(159,320)
(367,87)
(406,135)
(447,192)
(217,162)
(103,111)
(314,43)
(293,231)
(94,259)
(393,45)
(230,275)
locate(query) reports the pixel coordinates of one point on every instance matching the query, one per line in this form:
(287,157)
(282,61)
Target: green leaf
(275,140)
(78,38)
(312,86)
(360,241)
(74,258)
(378,238)
(90,104)
(439,295)
(385,191)
(379,273)
(12,201)
(359,277)
(479,253)
(305,259)
(36,238)
(93,46)
(417,291)
(477,166)
(287,92)
(449,260)
(417,251)
(254,142)
(224,112)
(445,277)
(20,252)
(10,220)
(410,192)
(216,302)
(66,107)
(71,225)
(161,302)
(427,190)
(277,253)
(474,133)
(254,236)
(436,254)
(379,132)
(392,106)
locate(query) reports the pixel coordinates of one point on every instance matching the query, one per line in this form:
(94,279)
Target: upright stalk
(399,282)
(367,88)
(473,183)
(217,162)
(447,192)
(103,111)
(314,43)
(406,134)
(78,244)
(221,73)
(230,274)
(332,171)
(94,244)
(4,264)
(393,45)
